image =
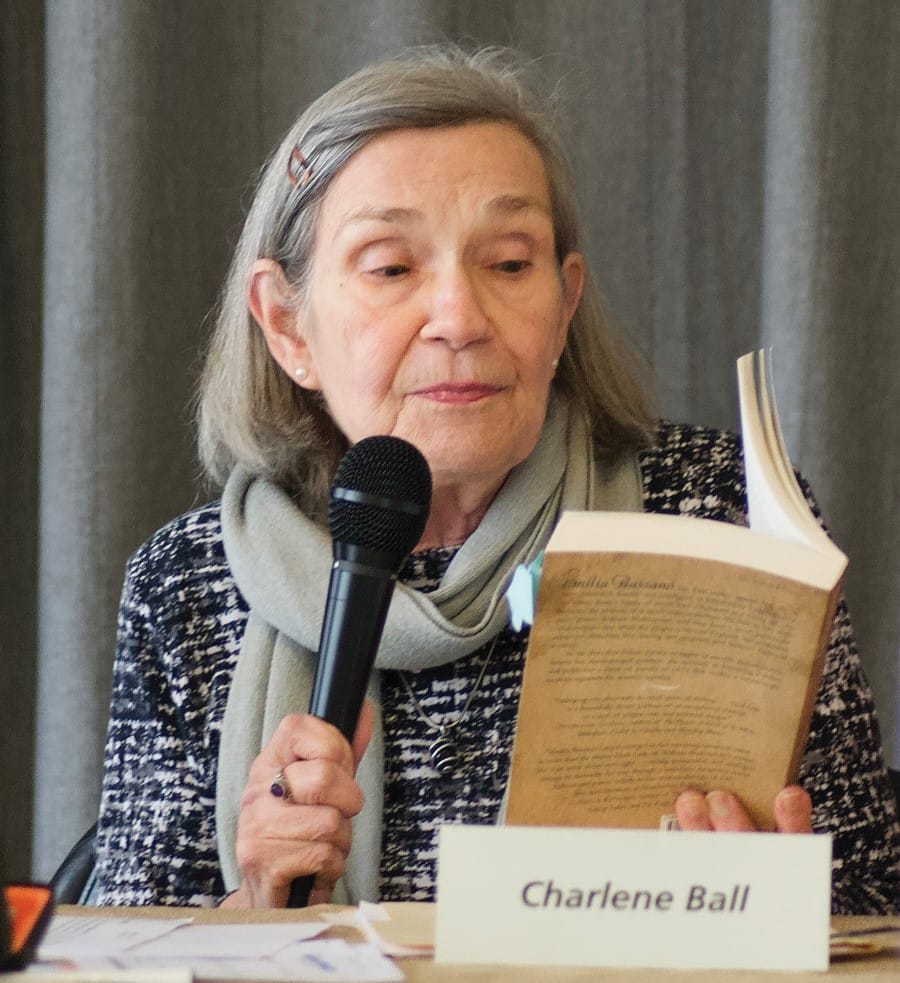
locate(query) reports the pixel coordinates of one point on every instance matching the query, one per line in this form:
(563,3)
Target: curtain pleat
(830,294)
(736,167)
(21,207)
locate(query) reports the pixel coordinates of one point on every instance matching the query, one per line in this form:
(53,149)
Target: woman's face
(436,306)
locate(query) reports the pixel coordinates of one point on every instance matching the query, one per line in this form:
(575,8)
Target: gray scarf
(281,561)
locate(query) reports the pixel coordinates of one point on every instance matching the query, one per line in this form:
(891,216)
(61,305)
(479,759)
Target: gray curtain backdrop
(738,172)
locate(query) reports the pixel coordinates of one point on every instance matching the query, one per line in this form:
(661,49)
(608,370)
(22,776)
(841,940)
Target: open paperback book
(670,652)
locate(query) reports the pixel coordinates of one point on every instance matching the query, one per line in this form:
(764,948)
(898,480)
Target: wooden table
(884,965)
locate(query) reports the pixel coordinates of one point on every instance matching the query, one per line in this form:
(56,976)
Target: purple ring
(280,788)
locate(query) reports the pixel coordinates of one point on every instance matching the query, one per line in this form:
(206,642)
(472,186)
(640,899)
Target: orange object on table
(26,910)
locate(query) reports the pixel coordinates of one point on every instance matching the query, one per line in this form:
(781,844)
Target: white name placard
(600,897)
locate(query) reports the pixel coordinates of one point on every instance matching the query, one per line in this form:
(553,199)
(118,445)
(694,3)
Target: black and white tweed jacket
(179,633)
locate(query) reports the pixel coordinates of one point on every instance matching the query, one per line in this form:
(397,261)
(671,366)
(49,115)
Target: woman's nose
(456,312)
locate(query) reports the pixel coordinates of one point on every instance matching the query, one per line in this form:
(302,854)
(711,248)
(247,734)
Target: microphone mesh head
(390,469)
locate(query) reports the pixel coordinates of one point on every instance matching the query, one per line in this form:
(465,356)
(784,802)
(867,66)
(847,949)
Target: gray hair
(249,412)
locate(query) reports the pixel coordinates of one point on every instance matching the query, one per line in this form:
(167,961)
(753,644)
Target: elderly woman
(409,266)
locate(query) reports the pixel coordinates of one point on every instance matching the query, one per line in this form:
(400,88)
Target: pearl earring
(300,373)
(555,363)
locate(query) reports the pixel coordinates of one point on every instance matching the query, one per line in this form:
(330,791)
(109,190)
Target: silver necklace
(443,749)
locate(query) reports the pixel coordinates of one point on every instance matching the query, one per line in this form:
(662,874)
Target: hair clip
(299,169)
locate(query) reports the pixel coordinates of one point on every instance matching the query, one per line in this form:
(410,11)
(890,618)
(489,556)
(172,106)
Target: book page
(775,501)
(771,422)
(704,539)
(649,674)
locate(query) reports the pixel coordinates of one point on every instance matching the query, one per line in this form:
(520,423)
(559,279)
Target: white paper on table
(255,941)
(266,951)
(312,961)
(339,961)
(417,930)
(32,975)
(71,936)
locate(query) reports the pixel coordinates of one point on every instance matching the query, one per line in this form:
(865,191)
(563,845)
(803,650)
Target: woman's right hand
(308,830)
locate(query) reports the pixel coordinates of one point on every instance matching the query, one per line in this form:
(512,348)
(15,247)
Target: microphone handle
(358,599)
(356,608)
(298,897)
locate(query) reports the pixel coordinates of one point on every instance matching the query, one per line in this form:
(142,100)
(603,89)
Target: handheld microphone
(379,505)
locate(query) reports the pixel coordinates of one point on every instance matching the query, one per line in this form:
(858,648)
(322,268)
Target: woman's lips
(457,392)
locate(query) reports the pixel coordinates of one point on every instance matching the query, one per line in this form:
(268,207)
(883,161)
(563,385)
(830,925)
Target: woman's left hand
(723,811)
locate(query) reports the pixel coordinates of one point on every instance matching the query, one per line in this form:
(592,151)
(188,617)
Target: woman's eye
(390,271)
(512,265)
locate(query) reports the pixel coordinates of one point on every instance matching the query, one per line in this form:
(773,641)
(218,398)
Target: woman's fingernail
(719,804)
(792,795)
